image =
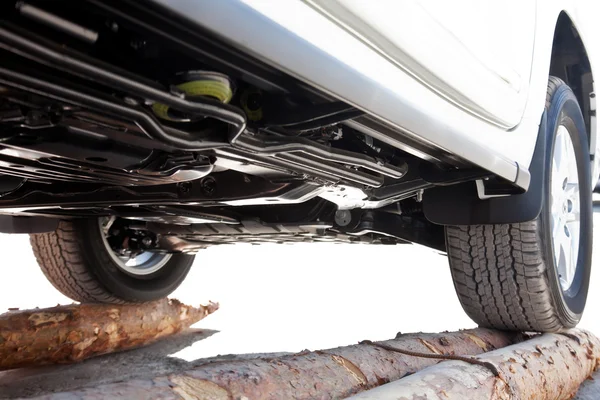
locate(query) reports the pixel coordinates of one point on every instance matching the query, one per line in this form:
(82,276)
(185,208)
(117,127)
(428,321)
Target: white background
(295,297)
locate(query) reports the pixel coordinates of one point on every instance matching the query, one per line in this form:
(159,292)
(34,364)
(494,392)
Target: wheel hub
(564,204)
(134,262)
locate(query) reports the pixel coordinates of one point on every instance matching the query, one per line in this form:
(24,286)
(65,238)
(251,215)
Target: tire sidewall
(564,110)
(125,286)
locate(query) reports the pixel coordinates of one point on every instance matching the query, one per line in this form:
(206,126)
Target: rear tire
(507,276)
(77,262)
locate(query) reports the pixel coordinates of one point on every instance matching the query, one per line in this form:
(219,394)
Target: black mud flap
(460,205)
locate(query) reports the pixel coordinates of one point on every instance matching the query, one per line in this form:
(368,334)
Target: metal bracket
(12,224)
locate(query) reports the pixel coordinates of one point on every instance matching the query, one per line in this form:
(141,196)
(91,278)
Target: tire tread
(58,254)
(500,276)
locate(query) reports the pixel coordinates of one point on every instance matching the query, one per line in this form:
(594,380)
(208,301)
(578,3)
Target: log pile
(477,363)
(328,374)
(67,334)
(548,367)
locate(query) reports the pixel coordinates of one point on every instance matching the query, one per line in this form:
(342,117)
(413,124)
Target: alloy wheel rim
(565,207)
(142,264)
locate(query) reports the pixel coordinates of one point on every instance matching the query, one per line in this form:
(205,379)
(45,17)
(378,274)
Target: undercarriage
(135,133)
(112,109)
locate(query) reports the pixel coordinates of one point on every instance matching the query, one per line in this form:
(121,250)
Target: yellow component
(161,111)
(216,89)
(252,114)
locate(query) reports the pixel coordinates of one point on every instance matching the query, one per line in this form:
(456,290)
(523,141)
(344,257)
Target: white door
(475,53)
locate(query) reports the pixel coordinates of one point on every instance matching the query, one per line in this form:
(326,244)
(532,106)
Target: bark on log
(548,367)
(329,374)
(67,334)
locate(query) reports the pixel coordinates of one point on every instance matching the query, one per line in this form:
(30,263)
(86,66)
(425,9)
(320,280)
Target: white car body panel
(520,34)
(511,39)
(328,54)
(460,47)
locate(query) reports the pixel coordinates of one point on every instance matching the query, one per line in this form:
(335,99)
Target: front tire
(534,276)
(77,261)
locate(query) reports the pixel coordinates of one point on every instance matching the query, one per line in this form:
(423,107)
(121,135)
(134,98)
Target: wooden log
(548,367)
(72,333)
(329,374)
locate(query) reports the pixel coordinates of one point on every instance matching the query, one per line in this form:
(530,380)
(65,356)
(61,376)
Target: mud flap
(460,205)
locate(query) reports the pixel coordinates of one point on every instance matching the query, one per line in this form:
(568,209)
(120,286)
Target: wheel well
(570,62)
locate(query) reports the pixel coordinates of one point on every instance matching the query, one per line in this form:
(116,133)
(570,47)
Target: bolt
(420,195)
(343,217)
(208,185)
(184,187)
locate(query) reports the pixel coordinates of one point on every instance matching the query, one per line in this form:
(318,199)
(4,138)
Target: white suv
(135,133)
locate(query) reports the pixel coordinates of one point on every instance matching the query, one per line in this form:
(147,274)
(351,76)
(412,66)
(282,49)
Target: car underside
(133,135)
(113,109)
